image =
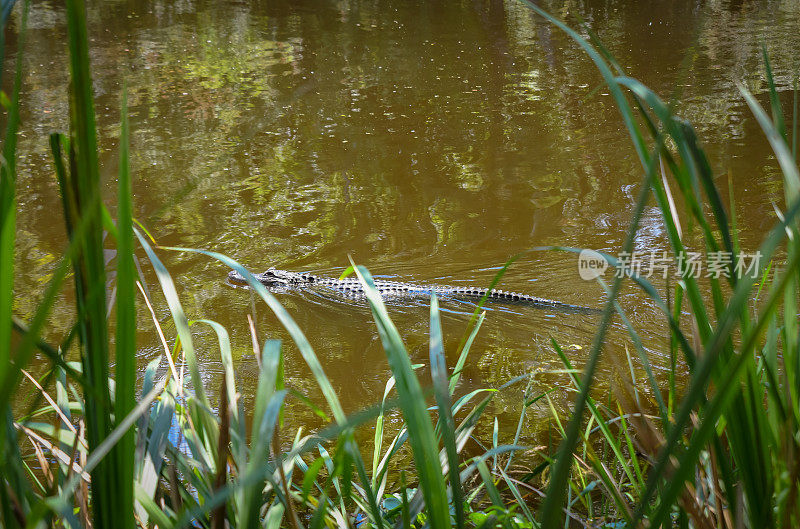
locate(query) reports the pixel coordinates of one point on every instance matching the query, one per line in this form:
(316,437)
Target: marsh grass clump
(80,449)
(723,450)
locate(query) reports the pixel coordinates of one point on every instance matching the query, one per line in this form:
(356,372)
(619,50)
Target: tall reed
(740,408)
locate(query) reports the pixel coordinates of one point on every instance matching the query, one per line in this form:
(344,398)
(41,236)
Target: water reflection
(428,140)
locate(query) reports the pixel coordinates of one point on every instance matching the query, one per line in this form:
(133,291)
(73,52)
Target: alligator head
(272,277)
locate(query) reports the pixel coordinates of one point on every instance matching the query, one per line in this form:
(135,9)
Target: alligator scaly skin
(350,287)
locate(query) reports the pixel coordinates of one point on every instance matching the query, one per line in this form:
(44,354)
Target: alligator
(351,287)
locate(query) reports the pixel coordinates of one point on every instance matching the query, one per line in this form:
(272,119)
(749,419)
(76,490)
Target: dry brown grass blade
(740,508)
(722,514)
(697,342)
(45,466)
(49,399)
(139,521)
(695,511)
(672,209)
(36,438)
(161,336)
(254,337)
(649,439)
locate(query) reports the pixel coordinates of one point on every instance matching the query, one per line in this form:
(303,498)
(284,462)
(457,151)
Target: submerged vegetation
(79,448)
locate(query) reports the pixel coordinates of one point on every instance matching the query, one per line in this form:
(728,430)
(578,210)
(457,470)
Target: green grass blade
(30,334)
(155,513)
(153,439)
(259,448)
(775,103)
(598,417)
(14,481)
(637,343)
(697,170)
(352,448)
(257,471)
(442,394)
(83,189)
(651,291)
(8,206)
(552,516)
(8,211)
(237,433)
(729,383)
(289,324)
(267,377)
(491,488)
(125,398)
(412,401)
(791,176)
(179,317)
(274,517)
(474,319)
(462,358)
(527,402)
(702,372)
(62,502)
(512,486)
(795,120)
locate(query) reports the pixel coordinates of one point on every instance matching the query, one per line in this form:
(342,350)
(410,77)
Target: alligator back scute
(351,287)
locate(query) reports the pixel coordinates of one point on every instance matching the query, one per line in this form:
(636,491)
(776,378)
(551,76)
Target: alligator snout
(236,278)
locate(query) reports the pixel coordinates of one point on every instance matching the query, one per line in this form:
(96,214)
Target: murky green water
(430,141)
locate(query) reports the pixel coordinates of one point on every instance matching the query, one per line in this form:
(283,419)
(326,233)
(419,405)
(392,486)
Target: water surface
(428,140)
